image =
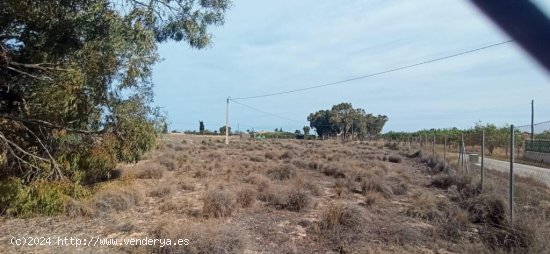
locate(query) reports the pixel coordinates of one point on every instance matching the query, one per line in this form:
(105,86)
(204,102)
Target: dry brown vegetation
(290,196)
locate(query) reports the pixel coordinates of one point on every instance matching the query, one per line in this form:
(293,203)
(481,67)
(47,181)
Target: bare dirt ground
(283,196)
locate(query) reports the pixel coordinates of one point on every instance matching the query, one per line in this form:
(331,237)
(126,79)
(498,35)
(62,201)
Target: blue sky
(272,46)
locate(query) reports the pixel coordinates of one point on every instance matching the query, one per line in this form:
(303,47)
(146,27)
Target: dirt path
(538,173)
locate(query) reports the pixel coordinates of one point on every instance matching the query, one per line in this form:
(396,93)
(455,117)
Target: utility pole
(532,120)
(511,183)
(227,122)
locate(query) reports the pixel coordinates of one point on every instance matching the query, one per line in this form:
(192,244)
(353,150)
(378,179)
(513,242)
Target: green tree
(201,127)
(165,128)
(345,120)
(222,130)
(75,83)
(306,130)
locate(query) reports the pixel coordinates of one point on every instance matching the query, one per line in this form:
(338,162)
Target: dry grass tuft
(334,170)
(487,209)
(148,170)
(372,198)
(337,217)
(425,206)
(376,184)
(116,198)
(294,199)
(210,238)
(515,239)
(283,172)
(217,203)
(246,197)
(271,155)
(161,191)
(395,158)
(77,208)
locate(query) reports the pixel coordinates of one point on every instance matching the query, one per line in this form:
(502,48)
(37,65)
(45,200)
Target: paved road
(541,174)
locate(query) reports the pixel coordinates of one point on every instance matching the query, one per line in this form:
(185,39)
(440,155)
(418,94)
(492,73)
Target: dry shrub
(395,158)
(148,170)
(209,238)
(169,162)
(246,197)
(339,186)
(255,178)
(77,208)
(417,154)
(184,184)
(200,173)
(288,155)
(426,206)
(283,172)
(116,198)
(460,186)
(444,181)
(487,209)
(300,163)
(373,197)
(518,238)
(271,155)
(161,191)
(256,158)
(294,199)
(376,184)
(454,222)
(334,170)
(307,185)
(171,205)
(315,165)
(217,203)
(338,217)
(399,188)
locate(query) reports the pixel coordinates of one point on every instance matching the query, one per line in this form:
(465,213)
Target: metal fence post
(445,154)
(433,147)
(511,173)
(482,155)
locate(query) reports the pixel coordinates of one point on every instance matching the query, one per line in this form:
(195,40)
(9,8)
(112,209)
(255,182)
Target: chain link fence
(510,161)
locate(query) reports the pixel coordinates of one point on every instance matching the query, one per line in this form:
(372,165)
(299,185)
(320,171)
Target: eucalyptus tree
(75,80)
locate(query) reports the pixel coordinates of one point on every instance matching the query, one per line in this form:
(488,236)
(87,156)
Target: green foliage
(344,120)
(278,134)
(306,130)
(201,127)
(222,130)
(76,91)
(75,83)
(39,197)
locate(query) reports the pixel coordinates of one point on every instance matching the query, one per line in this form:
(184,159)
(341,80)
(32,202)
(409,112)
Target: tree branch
(50,125)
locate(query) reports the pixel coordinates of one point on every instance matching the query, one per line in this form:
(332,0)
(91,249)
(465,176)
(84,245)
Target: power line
(265,112)
(375,74)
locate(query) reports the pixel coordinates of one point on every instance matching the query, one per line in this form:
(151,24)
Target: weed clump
(117,199)
(376,184)
(148,170)
(208,238)
(283,172)
(340,217)
(487,209)
(217,203)
(246,197)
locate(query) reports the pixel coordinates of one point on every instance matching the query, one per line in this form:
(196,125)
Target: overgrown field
(290,196)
